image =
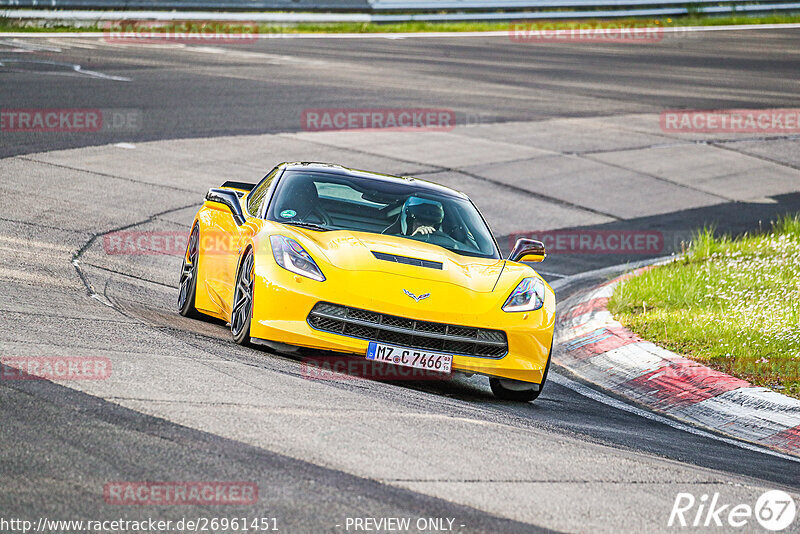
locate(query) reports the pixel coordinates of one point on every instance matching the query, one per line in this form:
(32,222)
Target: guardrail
(601,11)
(379,11)
(507,5)
(250,5)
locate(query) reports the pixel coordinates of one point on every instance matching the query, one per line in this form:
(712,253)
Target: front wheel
(517,390)
(242,313)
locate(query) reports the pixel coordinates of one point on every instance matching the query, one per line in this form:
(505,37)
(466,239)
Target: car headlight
(291,256)
(527,296)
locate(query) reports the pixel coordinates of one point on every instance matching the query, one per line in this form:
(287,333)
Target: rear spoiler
(244,186)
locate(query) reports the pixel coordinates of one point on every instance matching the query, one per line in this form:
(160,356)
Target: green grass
(732,304)
(18,25)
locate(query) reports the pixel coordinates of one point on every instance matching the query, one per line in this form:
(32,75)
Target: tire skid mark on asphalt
(24,275)
(561,481)
(33,159)
(317,412)
(45,226)
(25,244)
(7,312)
(132,276)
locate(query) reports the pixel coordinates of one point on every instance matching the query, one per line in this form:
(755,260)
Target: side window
(256,198)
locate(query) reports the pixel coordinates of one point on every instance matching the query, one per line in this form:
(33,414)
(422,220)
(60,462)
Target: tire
(242,310)
(188,280)
(515,390)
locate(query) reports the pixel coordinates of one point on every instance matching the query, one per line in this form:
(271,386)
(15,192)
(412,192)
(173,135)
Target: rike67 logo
(775,511)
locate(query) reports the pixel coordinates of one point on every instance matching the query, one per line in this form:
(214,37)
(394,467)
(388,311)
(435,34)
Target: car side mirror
(229,198)
(528,250)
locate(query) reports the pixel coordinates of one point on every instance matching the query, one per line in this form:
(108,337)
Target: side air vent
(408,261)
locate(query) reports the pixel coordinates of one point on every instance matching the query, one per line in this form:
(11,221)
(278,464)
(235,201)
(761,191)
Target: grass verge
(732,304)
(10,24)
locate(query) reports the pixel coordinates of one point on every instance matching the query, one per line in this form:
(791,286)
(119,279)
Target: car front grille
(441,337)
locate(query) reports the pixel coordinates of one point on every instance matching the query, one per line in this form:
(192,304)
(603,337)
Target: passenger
(299,201)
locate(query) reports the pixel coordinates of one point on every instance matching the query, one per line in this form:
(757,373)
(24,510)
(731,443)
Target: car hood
(353,251)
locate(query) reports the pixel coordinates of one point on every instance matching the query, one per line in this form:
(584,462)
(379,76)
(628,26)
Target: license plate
(417,358)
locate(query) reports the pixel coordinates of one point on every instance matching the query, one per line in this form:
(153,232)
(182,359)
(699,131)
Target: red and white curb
(600,350)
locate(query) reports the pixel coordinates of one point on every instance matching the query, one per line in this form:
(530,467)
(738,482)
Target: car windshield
(327,201)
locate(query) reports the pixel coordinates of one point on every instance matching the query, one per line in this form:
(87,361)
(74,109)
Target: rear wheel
(188,281)
(242,313)
(517,390)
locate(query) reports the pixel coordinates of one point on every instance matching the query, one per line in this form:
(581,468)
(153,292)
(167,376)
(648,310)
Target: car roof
(331,168)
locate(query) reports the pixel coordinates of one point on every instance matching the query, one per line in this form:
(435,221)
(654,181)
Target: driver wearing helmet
(420,216)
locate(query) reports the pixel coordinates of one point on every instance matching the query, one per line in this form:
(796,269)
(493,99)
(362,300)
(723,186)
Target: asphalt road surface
(186,90)
(550,136)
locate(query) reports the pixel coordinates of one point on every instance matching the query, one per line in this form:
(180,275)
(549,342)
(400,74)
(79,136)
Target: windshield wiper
(309,225)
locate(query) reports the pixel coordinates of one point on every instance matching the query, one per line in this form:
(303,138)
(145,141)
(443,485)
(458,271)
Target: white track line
(619,405)
(501,33)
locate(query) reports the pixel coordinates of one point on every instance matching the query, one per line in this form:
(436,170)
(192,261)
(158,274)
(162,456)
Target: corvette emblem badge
(417,298)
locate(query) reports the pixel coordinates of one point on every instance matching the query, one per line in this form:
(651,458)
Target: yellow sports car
(387,268)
